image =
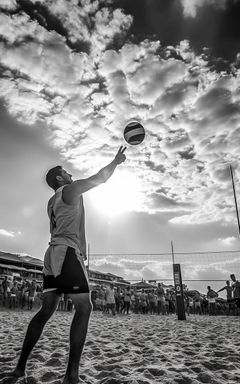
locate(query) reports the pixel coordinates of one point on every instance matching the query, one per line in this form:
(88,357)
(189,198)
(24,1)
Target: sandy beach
(134,349)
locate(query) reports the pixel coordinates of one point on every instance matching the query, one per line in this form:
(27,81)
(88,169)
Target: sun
(120,194)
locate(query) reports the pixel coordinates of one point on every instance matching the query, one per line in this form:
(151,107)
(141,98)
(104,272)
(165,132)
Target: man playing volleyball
(64,270)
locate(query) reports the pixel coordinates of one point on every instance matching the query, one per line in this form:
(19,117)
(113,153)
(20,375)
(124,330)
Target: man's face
(67,177)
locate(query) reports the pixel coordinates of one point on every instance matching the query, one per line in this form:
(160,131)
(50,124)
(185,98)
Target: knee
(87,307)
(84,308)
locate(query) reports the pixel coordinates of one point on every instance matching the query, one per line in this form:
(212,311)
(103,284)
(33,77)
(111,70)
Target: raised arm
(222,289)
(72,191)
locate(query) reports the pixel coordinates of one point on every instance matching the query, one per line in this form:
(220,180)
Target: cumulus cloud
(134,267)
(84,81)
(8,4)
(228,240)
(4,232)
(191,7)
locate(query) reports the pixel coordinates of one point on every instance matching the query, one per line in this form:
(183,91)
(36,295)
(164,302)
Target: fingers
(122,149)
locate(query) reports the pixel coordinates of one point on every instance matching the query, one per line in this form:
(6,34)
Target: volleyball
(134,133)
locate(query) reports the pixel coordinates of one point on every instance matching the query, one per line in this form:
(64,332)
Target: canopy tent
(143,285)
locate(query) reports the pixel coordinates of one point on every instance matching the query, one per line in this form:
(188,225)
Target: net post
(88,256)
(235,199)
(177,276)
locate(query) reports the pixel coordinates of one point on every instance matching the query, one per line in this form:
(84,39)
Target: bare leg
(35,328)
(78,335)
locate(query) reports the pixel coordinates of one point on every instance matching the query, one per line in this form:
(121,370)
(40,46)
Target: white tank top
(67,222)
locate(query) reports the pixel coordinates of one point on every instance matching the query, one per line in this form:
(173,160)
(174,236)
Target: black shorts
(72,279)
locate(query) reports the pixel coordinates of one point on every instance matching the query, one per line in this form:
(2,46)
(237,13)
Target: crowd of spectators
(126,300)
(163,301)
(15,294)
(115,300)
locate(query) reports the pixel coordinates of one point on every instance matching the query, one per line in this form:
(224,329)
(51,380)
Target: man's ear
(59,178)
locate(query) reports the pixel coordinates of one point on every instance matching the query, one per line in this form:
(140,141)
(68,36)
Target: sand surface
(134,349)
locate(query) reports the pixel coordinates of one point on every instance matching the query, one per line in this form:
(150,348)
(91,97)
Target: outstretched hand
(120,156)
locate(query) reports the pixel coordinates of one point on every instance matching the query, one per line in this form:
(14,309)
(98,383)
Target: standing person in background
(61,303)
(64,270)
(186,302)
(127,300)
(98,302)
(122,292)
(204,305)
(151,299)
(104,303)
(132,301)
(102,298)
(164,303)
(156,301)
(31,296)
(229,292)
(160,294)
(143,302)
(236,293)
(197,303)
(1,295)
(172,302)
(69,303)
(211,296)
(5,289)
(167,301)
(13,295)
(136,300)
(110,299)
(93,299)
(191,305)
(24,295)
(118,299)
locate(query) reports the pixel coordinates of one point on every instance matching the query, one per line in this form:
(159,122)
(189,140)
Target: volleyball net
(199,269)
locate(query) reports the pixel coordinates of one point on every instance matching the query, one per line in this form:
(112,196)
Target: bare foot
(71,380)
(17,372)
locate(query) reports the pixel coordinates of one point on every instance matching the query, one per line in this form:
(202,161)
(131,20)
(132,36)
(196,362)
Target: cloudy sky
(73,73)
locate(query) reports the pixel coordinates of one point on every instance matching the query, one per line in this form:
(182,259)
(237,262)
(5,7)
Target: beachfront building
(96,279)
(20,267)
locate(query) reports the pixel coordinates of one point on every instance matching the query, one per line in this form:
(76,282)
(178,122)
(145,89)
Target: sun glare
(121,193)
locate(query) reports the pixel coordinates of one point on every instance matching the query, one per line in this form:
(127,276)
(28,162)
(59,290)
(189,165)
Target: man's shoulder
(236,285)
